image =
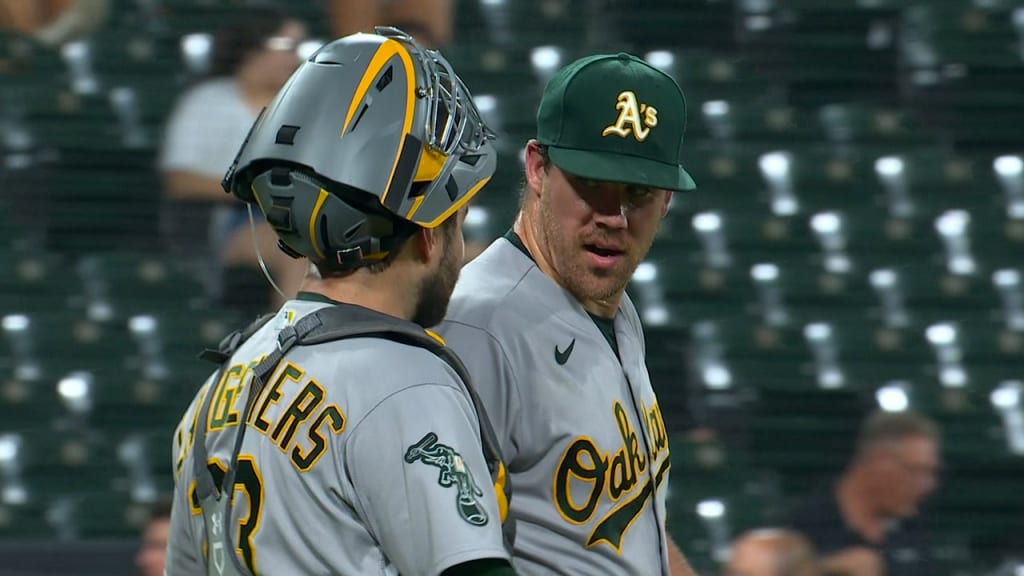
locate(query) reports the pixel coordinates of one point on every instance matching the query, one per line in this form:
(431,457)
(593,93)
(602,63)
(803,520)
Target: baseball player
(543,323)
(339,437)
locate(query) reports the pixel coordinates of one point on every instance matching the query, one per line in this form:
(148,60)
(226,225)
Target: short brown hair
(543,150)
(882,427)
(405,231)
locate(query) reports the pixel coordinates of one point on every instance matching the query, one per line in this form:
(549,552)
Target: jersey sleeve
(183,549)
(420,482)
(493,378)
(183,555)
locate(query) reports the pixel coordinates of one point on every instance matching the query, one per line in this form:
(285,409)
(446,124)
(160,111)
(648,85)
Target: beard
(569,260)
(436,289)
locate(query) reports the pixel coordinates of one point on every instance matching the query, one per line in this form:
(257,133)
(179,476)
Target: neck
(858,508)
(525,228)
(378,292)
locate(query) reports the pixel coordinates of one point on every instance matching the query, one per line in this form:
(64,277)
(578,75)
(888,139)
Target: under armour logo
(218,557)
(215,520)
(634,118)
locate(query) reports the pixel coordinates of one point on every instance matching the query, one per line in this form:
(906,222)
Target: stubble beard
(574,274)
(436,290)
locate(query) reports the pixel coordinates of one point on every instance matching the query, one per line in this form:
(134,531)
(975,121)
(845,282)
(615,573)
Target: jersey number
(250,482)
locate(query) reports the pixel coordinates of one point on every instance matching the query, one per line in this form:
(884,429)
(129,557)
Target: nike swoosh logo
(563,357)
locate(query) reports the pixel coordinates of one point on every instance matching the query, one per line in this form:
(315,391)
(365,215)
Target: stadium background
(856,241)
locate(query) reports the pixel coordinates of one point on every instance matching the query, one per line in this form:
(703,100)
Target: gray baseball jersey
(579,425)
(361,456)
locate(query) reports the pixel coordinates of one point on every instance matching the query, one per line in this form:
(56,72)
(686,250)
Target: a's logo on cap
(634,118)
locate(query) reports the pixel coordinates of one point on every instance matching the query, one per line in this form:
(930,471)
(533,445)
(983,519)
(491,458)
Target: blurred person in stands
(149,560)
(430,21)
(866,523)
(772,552)
(54,22)
(252,60)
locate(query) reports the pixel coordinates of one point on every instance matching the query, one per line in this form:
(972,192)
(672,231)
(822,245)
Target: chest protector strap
(324,325)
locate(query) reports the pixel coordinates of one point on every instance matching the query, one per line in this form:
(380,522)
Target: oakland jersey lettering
(585,475)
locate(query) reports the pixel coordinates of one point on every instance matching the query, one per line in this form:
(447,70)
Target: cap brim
(621,168)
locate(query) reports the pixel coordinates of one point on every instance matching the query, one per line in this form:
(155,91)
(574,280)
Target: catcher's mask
(371,138)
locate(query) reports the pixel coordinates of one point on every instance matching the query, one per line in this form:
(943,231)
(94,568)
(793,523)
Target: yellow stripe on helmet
(385,52)
(312,223)
(454,207)
(415,206)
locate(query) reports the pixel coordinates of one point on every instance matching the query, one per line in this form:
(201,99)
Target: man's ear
(425,242)
(535,171)
(668,200)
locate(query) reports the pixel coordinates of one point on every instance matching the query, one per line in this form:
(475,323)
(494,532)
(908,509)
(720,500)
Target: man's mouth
(603,251)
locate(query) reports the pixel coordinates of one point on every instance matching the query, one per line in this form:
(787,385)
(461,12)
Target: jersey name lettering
(614,475)
(222,411)
(305,403)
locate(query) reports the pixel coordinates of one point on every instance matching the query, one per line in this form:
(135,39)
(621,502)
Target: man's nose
(611,210)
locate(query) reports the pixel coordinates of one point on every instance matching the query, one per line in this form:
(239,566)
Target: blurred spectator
(772,552)
(866,522)
(149,560)
(54,22)
(251,61)
(429,21)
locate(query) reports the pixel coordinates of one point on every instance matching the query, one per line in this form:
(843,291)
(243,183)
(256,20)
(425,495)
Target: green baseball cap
(615,117)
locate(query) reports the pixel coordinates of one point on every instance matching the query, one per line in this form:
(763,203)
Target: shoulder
(191,412)
(490,288)
(386,366)
(389,379)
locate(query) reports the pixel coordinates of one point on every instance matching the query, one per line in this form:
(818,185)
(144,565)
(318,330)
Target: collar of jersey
(516,241)
(604,325)
(304,296)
